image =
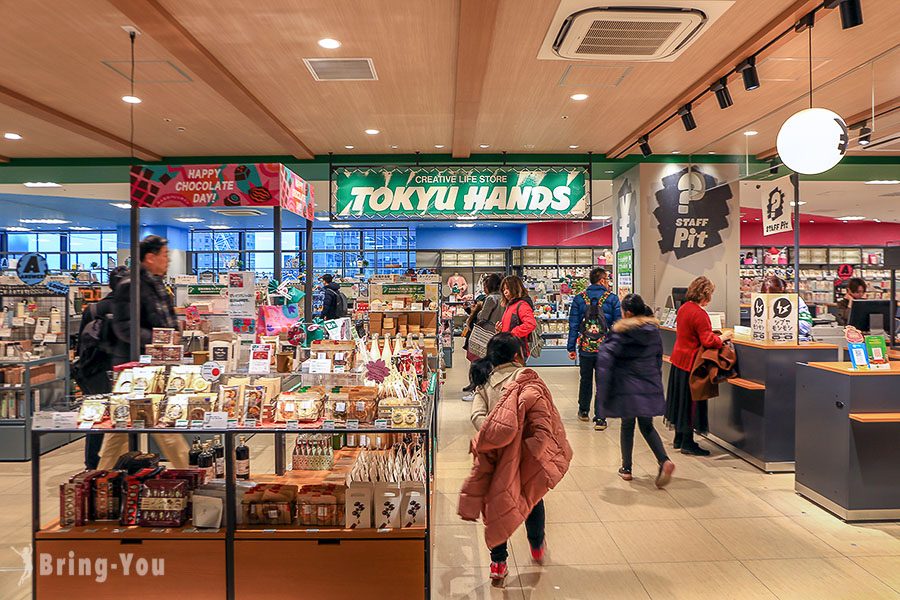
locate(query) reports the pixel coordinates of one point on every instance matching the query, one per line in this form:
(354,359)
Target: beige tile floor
(722,529)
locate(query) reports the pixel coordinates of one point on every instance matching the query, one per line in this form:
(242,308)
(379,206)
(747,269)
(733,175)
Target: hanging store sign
(521,193)
(32,268)
(692,211)
(775,206)
(249,184)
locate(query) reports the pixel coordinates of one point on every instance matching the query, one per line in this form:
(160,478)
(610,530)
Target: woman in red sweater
(693,332)
(518,316)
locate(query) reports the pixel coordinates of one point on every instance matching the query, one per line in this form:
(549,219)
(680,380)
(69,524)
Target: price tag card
(352,423)
(49,338)
(42,420)
(398,304)
(328,424)
(319,365)
(86,425)
(417,306)
(381,423)
(146,359)
(197,424)
(232,424)
(140,424)
(65,420)
(251,423)
(120,424)
(216,420)
(293,424)
(30,320)
(182,423)
(18,321)
(260,359)
(5,332)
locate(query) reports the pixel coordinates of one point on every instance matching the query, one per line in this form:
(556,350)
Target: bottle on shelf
(242,459)
(374,353)
(194,453)
(219,457)
(387,354)
(207,461)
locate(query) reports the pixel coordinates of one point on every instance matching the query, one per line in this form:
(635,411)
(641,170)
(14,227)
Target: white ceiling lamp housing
(12,135)
(329,43)
(373,131)
(579,97)
(131,99)
(812,141)
(188,220)
(219,227)
(41,184)
(122,205)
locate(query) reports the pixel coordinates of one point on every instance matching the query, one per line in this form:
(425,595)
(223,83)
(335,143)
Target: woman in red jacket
(693,333)
(518,316)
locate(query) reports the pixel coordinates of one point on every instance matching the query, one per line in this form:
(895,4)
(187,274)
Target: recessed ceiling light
(601,218)
(188,220)
(676,152)
(17,229)
(394,146)
(329,43)
(219,227)
(711,152)
(750,133)
(573,146)
(811,221)
(123,205)
(529,146)
(609,171)
(482,146)
(564,117)
(756,219)
(12,136)
(131,99)
(438,146)
(743,220)
(80,228)
(340,226)
(373,131)
(466,218)
(883,182)
(41,184)
(877,220)
(851,218)
(323,218)
(349,147)
(44,221)
(578,97)
(464,225)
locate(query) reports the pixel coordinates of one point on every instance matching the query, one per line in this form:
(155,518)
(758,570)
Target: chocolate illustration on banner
(692,212)
(626,215)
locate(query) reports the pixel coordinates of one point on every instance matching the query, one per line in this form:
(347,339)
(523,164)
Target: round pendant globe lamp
(812,141)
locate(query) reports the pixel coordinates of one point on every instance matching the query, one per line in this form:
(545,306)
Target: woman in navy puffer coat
(629,382)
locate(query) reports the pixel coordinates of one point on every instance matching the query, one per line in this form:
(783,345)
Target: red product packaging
(66,504)
(164,502)
(108,496)
(83,496)
(194,477)
(131,495)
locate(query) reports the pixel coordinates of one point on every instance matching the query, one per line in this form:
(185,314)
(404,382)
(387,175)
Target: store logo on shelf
(626,210)
(692,211)
(100,568)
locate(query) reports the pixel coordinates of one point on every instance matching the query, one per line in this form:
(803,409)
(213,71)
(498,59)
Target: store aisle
(721,529)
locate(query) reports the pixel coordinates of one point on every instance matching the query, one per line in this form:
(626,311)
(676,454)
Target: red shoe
(539,554)
(499,571)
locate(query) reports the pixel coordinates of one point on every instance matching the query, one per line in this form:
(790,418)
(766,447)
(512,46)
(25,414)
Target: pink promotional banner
(246,184)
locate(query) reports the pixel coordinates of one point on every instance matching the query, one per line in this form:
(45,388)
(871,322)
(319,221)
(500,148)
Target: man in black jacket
(157,304)
(331,304)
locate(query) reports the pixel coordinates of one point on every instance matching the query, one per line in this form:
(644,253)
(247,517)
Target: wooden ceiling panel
(42,139)
(524,102)
(54,53)
(764,110)
(412,44)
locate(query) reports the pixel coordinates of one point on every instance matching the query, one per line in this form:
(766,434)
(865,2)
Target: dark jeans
(586,365)
(627,439)
(534,528)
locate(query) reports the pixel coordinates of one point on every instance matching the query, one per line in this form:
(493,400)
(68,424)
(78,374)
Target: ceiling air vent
(238,212)
(341,69)
(628,30)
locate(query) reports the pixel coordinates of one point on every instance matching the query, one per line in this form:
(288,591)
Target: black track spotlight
(687,118)
(644,144)
(851,12)
(723,96)
(773,166)
(865,135)
(747,69)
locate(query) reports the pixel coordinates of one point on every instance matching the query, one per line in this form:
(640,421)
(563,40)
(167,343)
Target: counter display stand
(754,415)
(239,560)
(34,367)
(848,424)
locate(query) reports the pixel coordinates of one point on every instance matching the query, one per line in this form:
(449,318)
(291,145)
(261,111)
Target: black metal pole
(135,329)
(276,222)
(795,182)
(310,285)
(36,504)
(893,307)
(230,514)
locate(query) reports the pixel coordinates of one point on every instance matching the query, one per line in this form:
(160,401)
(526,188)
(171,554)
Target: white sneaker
(468,397)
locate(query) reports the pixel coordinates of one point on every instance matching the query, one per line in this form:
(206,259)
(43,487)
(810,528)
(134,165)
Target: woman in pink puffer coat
(521,451)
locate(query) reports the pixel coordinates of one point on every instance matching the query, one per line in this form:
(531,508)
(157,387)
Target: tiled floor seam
(861,566)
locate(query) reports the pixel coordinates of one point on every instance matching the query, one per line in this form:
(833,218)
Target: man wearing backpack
(335,303)
(591,316)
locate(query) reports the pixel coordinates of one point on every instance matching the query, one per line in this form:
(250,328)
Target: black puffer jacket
(629,370)
(157,310)
(330,304)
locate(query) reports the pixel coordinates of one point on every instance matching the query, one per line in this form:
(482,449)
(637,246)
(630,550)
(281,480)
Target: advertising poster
(521,193)
(625,272)
(774,318)
(692,210)
(241,294)
(776,209)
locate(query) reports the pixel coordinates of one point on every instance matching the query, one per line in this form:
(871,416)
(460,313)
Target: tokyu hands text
(100,568)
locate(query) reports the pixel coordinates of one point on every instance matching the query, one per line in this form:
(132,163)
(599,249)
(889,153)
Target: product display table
(753,416)
(848,424)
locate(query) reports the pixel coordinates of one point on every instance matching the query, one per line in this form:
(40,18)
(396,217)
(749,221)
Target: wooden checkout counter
(848,439)
(754,415)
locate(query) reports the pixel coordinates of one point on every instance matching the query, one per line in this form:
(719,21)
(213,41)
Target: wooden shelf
(846,368)
(108,530)
(293,532)
(876,417)
(746,384)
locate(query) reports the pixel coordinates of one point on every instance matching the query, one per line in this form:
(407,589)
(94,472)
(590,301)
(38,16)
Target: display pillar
(687,225)
(626,233)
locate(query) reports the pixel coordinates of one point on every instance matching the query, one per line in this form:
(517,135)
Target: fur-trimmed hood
(624,325)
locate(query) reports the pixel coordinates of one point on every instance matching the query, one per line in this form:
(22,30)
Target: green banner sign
(403,289)
(520,193)
(205,289)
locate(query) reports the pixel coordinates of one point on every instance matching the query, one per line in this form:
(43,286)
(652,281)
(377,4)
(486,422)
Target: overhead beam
(155,21)
(50,115)
(473,48)
(864,115)
(757,41)
(4,159)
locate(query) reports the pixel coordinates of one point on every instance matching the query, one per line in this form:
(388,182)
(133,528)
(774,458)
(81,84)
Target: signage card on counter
(65,420)
(216,420)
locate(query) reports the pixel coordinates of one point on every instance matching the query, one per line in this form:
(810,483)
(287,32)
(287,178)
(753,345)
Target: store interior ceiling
(454,78)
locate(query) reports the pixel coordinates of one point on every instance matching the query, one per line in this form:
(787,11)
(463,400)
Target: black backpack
(95,344)
(594,328)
